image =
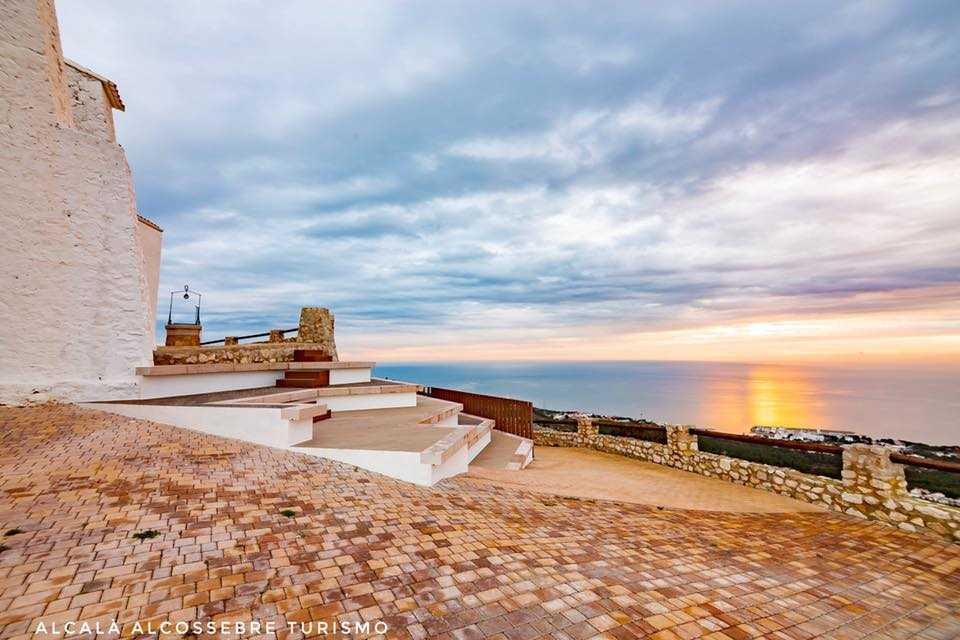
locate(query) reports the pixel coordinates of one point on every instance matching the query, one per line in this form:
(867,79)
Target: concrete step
(505,451)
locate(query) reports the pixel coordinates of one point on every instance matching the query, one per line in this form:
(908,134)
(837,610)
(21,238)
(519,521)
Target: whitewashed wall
(150,239)
(74,305)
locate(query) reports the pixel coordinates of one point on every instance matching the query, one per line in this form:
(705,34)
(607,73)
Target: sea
(915,403)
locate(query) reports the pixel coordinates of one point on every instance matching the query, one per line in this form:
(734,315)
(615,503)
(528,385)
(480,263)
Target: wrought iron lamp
(187,295)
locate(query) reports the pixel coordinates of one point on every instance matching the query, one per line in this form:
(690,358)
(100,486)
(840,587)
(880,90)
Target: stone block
(868,468)
(183,335)
(680,441)
(586,427)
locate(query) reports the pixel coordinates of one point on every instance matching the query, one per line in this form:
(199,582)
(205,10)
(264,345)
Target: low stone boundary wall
(315,332)
(872,487)
(240,353)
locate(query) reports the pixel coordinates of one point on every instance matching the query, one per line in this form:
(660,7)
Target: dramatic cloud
(473,180)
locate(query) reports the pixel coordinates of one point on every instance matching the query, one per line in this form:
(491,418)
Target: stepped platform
(379,425)
(421,444)
(276,396)
(165,381)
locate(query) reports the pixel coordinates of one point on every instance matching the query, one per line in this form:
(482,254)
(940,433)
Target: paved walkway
(461,561)
(584,473)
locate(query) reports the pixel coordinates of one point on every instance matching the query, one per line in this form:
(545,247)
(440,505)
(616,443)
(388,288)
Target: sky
(742,181)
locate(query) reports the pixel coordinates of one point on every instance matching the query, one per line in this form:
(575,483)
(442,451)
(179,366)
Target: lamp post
(182,334)
(187,294)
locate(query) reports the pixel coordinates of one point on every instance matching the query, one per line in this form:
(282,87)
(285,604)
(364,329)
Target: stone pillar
(869,477)
(316,327)
(680,441)
(276,335)
(183,335)
(585,427)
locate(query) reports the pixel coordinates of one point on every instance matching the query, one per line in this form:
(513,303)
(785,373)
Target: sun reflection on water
(783,396)
(763,395)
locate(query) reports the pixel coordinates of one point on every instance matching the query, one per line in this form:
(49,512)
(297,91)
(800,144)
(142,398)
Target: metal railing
(252,335)
(511,416)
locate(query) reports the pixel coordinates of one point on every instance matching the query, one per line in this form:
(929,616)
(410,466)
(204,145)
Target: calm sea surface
(914,403)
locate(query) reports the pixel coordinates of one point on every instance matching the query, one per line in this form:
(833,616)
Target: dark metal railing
(252,335)
(899,458)
(926,463)
(511,416)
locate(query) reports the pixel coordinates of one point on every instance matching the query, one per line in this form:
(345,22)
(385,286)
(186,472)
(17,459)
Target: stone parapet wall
(315,332)
(238,353)
(872,486)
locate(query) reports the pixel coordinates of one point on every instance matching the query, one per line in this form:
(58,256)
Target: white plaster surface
(91,108)
(371,401)
(261,425)
(402,465)
(150,242)
(185,385)
(478,446)
(449,421)
(454,465)
(349,376)
(73,296)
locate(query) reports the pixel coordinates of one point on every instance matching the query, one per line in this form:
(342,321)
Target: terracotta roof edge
(149,223)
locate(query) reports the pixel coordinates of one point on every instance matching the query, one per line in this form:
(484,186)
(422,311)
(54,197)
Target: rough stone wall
(872,487)
(71,289)
(241,353)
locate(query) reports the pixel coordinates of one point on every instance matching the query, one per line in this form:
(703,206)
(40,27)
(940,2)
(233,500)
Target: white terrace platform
(378,425)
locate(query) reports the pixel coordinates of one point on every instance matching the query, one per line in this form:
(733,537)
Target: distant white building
(799,433)
(79,267)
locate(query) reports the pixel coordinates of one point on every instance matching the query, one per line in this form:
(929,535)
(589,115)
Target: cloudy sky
(748,181)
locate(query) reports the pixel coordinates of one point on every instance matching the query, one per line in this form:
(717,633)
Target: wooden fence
(511,416)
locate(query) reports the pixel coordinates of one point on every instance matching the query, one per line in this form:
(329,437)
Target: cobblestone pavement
(461,561)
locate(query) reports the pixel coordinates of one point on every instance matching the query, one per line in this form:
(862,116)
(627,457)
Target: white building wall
(73,319)
(150,239)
